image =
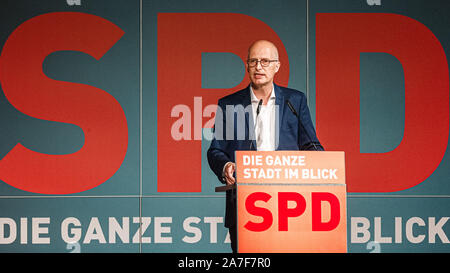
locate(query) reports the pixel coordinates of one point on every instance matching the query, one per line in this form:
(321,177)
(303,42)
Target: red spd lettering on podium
(292,205)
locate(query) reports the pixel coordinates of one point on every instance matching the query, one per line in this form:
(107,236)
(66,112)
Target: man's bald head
(263,45)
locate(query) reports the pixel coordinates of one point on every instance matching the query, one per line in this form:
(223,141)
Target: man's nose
(258,66)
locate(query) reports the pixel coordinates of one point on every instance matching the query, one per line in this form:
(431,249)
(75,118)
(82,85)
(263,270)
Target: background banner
(106,110)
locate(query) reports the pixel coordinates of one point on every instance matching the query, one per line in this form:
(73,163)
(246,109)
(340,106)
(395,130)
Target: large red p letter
(284,212)
(182,37)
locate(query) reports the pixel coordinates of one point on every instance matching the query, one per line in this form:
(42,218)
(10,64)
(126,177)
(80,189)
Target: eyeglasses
(263,62)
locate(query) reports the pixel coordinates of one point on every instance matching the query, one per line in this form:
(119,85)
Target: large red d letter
(340,40)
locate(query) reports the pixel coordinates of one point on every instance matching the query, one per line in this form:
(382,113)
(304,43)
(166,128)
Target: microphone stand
(258,109)
(291,107)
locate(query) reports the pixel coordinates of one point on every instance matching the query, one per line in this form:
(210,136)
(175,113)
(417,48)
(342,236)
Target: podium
(291,201)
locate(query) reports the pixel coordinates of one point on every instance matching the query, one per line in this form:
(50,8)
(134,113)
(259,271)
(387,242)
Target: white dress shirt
(264,123)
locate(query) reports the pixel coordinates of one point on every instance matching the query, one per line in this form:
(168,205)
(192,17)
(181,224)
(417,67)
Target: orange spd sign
(291,201)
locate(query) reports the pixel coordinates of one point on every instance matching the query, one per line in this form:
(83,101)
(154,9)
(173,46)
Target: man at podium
(262,117)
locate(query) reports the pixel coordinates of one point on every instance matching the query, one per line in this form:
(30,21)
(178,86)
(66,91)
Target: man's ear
(277,67)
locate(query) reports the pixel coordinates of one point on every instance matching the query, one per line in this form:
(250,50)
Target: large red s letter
(98,114)
(258,211)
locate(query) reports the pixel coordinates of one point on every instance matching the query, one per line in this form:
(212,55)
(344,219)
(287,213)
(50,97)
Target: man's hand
(228,173)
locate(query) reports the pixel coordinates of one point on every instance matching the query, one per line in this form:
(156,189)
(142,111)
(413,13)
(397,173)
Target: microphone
(258,109)
(291,107)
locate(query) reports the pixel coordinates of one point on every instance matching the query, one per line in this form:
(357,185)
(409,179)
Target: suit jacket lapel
(249,119)
(279,113)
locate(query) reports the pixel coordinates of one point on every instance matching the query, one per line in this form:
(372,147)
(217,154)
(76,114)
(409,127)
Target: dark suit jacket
(234,130)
